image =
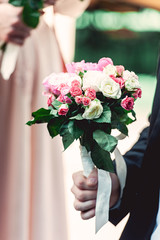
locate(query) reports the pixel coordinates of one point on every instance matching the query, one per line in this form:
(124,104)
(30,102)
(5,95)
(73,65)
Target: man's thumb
(92,179)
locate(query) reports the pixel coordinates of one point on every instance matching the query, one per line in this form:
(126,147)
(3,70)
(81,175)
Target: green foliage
(54,126)
(40,116)
(101,158)
(106,141)
(31,9)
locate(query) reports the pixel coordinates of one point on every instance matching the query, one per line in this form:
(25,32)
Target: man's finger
(88,214)
(84,206)
(84,195)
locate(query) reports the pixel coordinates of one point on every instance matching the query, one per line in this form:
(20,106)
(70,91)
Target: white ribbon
(104,184)
(9,60)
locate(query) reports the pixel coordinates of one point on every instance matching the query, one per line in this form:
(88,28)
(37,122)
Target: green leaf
(105,116)
(30,16)
(75,130)
(56,104)
(120,126)
(40,116)
(54,112)
(17,3)
(101,158)
(34,4)
(77,117)
(54,126)
(106,141)
(67,139)
(87,141)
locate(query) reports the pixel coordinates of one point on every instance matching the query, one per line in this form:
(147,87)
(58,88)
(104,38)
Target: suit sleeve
(133,159)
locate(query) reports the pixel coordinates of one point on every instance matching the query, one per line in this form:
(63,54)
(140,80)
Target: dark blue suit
(141,194)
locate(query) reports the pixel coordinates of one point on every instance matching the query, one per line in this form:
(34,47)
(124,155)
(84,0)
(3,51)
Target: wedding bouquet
(87,103)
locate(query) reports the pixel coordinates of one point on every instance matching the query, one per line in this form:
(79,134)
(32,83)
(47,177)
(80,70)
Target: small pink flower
(91,66)
(91,93)
(63,110)
(103,62)
(65,90)
(75,67)
(51,98)
(75,91)
(120,69)
(67,99)
(119,80)
(127,103)
(86,101)
(78,99)
(61,86)
(137,94)
(55,91)
(60,98)
(75,83)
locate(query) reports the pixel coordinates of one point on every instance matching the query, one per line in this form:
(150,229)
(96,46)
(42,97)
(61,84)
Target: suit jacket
(141,193)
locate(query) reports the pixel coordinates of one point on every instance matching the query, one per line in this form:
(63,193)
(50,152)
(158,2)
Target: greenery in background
(101,33)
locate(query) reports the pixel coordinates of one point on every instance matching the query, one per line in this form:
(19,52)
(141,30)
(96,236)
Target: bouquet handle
(103,192)
(9,60)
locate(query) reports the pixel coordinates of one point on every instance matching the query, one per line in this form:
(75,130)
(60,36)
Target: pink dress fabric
(32,199)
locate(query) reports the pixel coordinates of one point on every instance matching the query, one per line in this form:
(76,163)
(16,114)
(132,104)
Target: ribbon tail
(121,169)
(103,198)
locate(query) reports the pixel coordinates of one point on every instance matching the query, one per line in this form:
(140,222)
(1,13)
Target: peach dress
(32,199)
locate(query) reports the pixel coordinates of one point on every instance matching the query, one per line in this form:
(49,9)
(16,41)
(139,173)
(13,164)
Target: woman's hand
(85,192)
(12,28)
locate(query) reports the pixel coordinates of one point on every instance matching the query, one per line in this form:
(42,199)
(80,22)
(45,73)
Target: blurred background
(130,35)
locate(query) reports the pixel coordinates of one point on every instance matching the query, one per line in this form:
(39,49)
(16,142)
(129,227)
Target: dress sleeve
(72,8)
(133,159)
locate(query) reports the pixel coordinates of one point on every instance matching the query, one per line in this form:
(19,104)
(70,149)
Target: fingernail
(92,181)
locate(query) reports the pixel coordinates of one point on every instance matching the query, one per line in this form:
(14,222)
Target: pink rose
(55,91)
(91,66)
(120,69)
(75,83)
(78,99)
(91,93)
(127,103)
(75,67)
(75,91)
(63,110)
(65,90)
(60,98)
(119,80)
(67,99)
(137,94)
(51,98)
(61,86)
(103,62)
(86,101)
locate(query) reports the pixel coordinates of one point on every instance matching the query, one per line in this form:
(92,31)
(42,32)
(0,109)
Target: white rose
(93,79)
(94,110)
(110,70)
(131,80)
(110,88)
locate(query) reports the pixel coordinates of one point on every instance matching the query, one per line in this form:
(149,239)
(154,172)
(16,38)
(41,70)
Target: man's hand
(85,192)
(12,28)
